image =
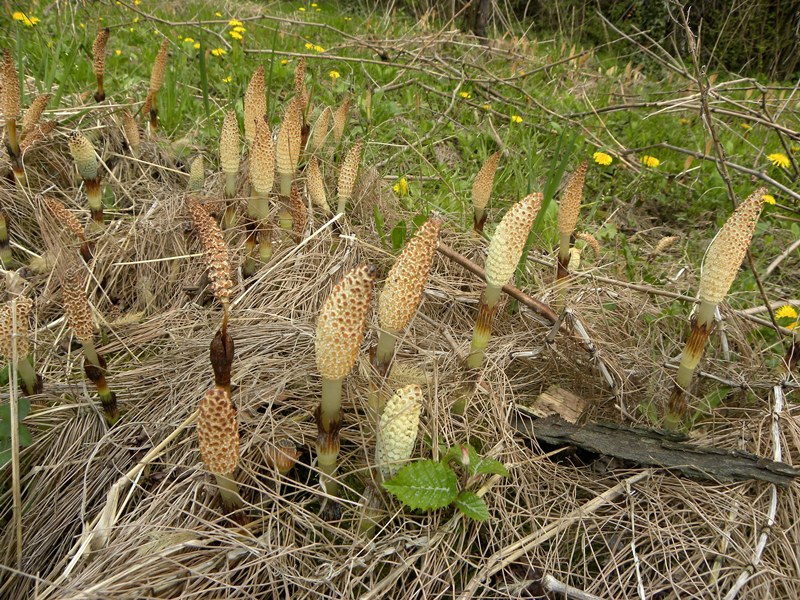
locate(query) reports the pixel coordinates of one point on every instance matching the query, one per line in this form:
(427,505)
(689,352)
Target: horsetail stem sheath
(482,190)
(86,162)
(340,329)
(229,160)
(567,220)
(720,265)
(218,438)
(505,250)
(99,61)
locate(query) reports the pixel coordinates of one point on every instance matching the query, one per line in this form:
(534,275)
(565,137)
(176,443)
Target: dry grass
(670,537)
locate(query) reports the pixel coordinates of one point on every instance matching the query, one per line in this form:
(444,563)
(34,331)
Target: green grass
(412,110)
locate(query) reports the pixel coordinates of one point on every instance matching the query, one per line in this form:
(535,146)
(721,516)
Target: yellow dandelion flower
(786,316)
(137,2)
(516,119)
(334,75)
(235,35)
(135,19)
(82,25)
(319,49)
(685,121)
(239,29)
(219,51)
(318,10)
(227,79)
(118,52)
(465,95)
(180,38)
(601,158)
(301,9)
(235,23)
(188,40)
(747,126)
(779,160)
(486,106)
(401,187)
(196,45)
(217,14)
(768,199)
(348,18)
(284,62)
(650,161)
(313,5)
(130,29)
(308,46)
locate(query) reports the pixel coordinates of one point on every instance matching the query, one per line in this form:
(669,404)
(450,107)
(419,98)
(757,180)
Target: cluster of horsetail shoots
(218,438)
(86,161)
(229,160)
(567,220)
(397,430)
(66,219)
(723,258)
(79,317)
(505,250)
(482,191)
(347,175)
(255,104)
(99,61)
(14,322)
(262,178)
(340,329)
(156,81)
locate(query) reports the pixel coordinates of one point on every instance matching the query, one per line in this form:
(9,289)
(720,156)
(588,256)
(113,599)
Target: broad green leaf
(424,485)
(398,235)
(25,438)
(472,505)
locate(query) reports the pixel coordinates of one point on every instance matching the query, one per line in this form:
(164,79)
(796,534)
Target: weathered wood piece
(653,448)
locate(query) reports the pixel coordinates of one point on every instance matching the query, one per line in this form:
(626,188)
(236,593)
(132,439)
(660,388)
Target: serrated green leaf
(472,506)
(424,485)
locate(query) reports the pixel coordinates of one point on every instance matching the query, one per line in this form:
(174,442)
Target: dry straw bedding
(668,536)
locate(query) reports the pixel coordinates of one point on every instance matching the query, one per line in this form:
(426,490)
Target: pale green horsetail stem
(340,329)
(505,251)
(229,161)
(721,263)
(568,211)
(482,191)
(6,257)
